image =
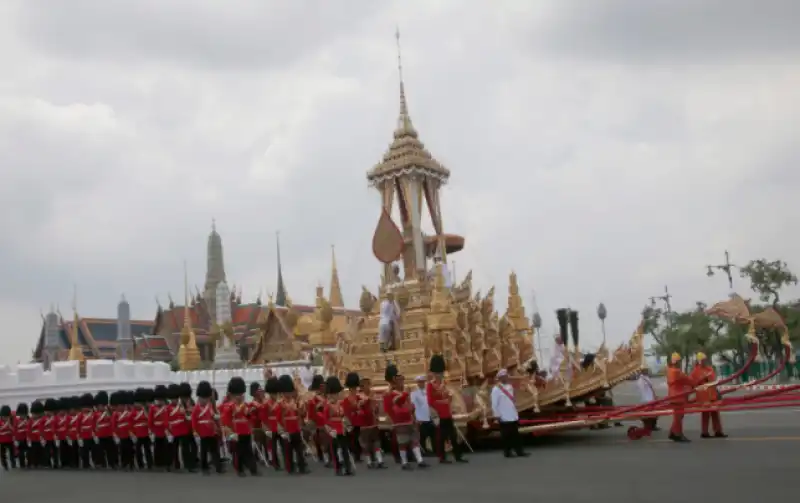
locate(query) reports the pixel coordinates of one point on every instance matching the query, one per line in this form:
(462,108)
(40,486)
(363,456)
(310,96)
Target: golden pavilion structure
(452,320)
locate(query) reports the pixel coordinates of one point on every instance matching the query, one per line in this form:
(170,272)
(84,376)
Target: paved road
(759,461)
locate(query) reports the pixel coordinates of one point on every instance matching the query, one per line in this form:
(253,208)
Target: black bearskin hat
(352,380)
(588,360)
(204,389)
(160,392)
(22,409)
(140,395)
(573,325)
(130,397)
(115,398)
(316,382)
(37,407)
(214,394)
(561,315)
(272,386)
(185,390)
(286,384)
(236,386)
(173,391)
(437,364)
(50,405)
(5,411)
(255,387)
(391,372)
(333,386)
(87,401)
(63,403)
(75,402)
(101,398)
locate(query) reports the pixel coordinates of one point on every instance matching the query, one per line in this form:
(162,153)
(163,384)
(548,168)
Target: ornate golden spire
(75,351)
(406,152)
(336,298)
(188,354)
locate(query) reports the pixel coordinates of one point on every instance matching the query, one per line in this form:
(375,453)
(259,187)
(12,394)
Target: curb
(757,387)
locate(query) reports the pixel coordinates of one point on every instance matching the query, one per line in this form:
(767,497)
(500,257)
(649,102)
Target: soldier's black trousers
(427,432)
(244,454)
(294,453)
(23,454)
(75,454)
(107,453)
(209,447)
(126,453)
(35,455)
(184,450)
(355,444)
(340,446)
(276,441)
(88,453)
(51,456)
(65,454)
(161,452)
(447,431)
(144,453)
(7,458)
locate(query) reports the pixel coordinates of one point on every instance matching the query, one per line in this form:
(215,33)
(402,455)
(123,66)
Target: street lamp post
(667,300)
(602,313)
(727,268)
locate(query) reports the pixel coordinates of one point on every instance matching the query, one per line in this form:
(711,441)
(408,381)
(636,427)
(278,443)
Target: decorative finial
(333,256)
(75,297)
(404,121)
(213,224)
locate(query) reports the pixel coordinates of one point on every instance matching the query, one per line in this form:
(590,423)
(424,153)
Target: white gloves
(232,437)
(80,442)
(268,433)
(170,438)
(116,439)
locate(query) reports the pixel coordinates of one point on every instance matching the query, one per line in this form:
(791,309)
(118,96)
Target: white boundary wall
(28,382)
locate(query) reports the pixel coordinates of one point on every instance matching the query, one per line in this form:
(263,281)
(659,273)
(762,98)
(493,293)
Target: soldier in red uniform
(86,436)
(369,437)
(63,445)
(702,375)
(20,422)
(269,419)
(107,455)
(315,433)
(679,384)
(205,424)
(157,423)
(179,429)
(140,429)
(259,434)
(290,419)
(439,399)
(35,440)
(333,415)
(7,458)
(48,428)
(123,429)
(397,403)
(350,406)
(74,431)
(236,422)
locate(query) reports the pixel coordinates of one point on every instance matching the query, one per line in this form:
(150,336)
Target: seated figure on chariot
(679,386)
(437,260)
(702,375)
(388,326)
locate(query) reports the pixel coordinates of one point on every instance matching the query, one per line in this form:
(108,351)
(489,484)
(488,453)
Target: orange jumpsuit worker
(678,383)
(703,373)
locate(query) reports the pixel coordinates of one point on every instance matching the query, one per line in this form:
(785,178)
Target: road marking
(737,439)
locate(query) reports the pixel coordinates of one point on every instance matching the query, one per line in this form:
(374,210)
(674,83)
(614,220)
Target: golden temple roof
(407,153)
(336,298)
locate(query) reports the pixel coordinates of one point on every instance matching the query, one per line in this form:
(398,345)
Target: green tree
(768,278)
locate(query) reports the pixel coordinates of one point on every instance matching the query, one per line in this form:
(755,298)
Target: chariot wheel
(634,433)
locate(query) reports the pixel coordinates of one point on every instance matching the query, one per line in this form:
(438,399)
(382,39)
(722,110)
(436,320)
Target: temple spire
(280,296)
(75,351)
(215,269)
(404,125)
(335,292)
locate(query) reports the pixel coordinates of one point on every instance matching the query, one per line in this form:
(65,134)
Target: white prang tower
(225,356)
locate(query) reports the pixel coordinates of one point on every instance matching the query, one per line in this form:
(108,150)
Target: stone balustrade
(28,382)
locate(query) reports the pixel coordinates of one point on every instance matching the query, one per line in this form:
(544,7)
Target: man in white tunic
(505,410)
(647,393)
(422,413)
(388,322)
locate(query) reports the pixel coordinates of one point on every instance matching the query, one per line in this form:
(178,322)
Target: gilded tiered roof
(406,154)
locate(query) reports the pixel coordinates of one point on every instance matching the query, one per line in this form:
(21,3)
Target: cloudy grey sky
(601,149)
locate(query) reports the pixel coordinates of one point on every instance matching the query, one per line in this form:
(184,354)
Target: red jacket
(269,414)
(35,425)
(6,430)
(103,426)
(20,425)
(86,423)
(402,408)
(255,414)
(237,419)
(203,422)
(350,407)
(313,408)
(678,383)
(74,425)
(49,426)
(179,420)
(157,420)
(333,413)
(439,399)
(140,422)
(288,416)
(62,426)
(367,415)
(122,421)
